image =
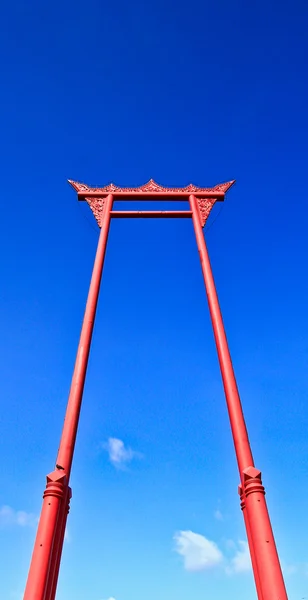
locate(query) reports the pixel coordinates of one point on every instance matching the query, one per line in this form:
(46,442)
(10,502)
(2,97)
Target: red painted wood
(265,560)
(148,214)
(45,563)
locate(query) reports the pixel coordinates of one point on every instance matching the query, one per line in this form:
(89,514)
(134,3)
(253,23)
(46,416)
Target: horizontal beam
(119,214)
(150,195)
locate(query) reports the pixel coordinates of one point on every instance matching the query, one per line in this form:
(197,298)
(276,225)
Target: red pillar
(67,443)
(251,546)
(268,575)
(49,540)
(44,543)
(53,579)
(57,547)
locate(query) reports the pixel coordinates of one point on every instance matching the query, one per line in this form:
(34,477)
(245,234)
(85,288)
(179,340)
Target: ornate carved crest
(97,207)
(205,206)
(151,187)
(97,203)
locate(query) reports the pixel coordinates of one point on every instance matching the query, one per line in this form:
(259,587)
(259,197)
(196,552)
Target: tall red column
(45,562)
(57,549)
(39,572)
(267,570)
(67,443)
(251,546)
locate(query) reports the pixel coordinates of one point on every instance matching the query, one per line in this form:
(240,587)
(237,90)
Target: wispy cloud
(218,515)
(9,516)
(290,569)
(119,454)
(16,595)
(198,552)
(201,554)
(67,535)
(241,562)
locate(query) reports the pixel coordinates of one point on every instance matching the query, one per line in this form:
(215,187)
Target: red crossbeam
(123,195)
(147,214)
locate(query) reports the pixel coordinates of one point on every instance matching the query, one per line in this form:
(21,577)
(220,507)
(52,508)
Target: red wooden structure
(46,558)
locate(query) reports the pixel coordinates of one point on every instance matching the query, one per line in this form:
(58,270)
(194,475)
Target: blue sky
(200,92)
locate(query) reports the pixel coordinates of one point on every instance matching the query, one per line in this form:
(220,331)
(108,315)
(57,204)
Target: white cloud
(201,554)
(9,516)
(16,595)
(198,552)
(230,544)
(241,562)
(218,515)
(119,454)
(289,569)
(67,535)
